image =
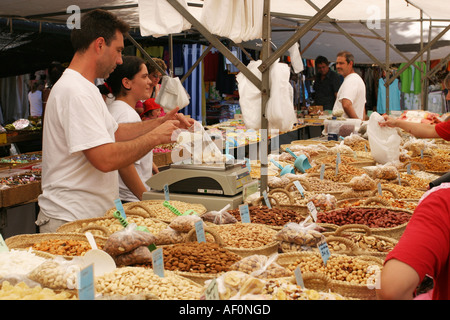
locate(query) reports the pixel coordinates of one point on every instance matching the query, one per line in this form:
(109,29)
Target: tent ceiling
(351,15)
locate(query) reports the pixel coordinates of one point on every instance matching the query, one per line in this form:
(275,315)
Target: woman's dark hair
(128,69)
(94,24)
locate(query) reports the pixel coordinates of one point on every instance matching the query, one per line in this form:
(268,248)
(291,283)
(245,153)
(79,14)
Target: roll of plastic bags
(280,111)
(158,18)
(250,97)
(384,141)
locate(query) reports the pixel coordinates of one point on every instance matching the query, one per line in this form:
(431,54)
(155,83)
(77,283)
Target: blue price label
(245,213)
(266,200)
(166,192)
(324,251)
(86,283)
(158,262)
(120,208)
(299,187)
(200,231)
(322,171)
(299,277)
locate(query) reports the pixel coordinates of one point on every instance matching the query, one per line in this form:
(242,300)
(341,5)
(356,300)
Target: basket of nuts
(350,276)
(365,241)
(105,226)
(247,239)
(389,222)
(68,245)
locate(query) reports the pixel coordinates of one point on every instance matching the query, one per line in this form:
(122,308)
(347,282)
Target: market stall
(280,243)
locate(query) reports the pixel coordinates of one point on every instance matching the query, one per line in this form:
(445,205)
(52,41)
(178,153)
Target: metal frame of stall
(268,57)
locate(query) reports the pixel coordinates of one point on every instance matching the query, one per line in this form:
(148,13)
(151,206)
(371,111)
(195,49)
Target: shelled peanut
(403,192)
(338,267)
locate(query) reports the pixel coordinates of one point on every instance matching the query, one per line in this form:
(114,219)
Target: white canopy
(363,20)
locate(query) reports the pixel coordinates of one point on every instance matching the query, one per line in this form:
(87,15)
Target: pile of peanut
(338,267)
(371,217)
(135,281)
(404,192)
(273,217)
(245,235)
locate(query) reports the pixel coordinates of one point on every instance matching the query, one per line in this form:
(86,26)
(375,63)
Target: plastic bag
(303,233)
(296,58)
(340,148)
(170,236)
(172,94)
(384,141)
(219,217)
(235,284)
(140,255)
(158,18)
(250,96)
(184,223)
(57,273)
(362,183)
(324,202)
(261,266)
(127,239)
(385,172)
(280,110)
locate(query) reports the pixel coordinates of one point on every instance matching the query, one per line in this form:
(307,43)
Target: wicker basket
(25,241)
(302,210)
(83,225)
(344,288)
(200,278)
(392,232)
(347,230)
(349,247)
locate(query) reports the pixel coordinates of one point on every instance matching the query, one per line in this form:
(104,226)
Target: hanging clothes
(394,96)
(411,78)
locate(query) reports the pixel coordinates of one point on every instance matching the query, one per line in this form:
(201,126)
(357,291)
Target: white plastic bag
(280,106)
(172,94)
(296,58)
(384,141)
(158,18)
(250,97)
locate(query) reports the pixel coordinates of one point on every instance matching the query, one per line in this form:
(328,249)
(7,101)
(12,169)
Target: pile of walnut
(367,243)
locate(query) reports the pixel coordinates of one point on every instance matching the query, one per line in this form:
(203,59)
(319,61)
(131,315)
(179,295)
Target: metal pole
(387,55)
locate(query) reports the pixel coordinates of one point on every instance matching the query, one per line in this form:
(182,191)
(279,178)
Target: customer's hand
(165,131)
(185,122)
(388,122)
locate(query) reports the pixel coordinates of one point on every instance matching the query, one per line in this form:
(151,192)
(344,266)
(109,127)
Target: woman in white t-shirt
(130,83)
(35,98)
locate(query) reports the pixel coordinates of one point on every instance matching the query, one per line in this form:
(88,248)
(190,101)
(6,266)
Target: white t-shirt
(35,100)
(353,89)
(76,119)
(124,113)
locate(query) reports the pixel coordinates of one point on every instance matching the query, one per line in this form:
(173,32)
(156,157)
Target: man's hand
(165,131)
(185,122)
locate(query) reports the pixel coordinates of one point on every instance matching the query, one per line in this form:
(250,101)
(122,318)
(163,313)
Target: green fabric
(406,77)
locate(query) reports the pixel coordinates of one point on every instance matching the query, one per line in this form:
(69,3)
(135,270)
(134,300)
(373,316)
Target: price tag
(245,213)
(337,169)
(365,148)
(312,210)
(120,208)
(86,283)
(212,291)
(266,200)
(421,154)
(200,231)
(322,171)
(399,180)
(158,262)
(248,164)
(380,192)
(298,277)
(299,187)
(324,251)
(166,192)
(408,168)
(338,158)
(227,147)
(3,246)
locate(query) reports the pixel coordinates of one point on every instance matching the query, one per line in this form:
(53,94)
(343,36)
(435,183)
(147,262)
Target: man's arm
(347,105)
(418,130)
(398,281)
(132,180)
(113,156)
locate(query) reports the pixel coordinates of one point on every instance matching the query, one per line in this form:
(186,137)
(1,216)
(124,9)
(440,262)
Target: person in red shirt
(422,130)
(424,248)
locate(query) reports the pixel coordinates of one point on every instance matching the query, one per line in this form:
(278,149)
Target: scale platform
(213,185)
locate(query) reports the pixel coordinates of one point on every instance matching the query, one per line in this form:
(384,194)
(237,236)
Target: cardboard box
(20,193)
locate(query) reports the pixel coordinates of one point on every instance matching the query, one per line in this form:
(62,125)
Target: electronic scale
(213,185)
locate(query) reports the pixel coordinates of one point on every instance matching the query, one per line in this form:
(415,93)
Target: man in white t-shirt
(351,97)
(83,146)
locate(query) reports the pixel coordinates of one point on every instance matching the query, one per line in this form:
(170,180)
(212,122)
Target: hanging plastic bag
(384,141)
(296,59)
(250,97)
(158,18)
(172,94)
(280,106)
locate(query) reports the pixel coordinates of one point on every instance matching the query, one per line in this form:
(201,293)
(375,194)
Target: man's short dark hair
(322,59)
(94,24)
